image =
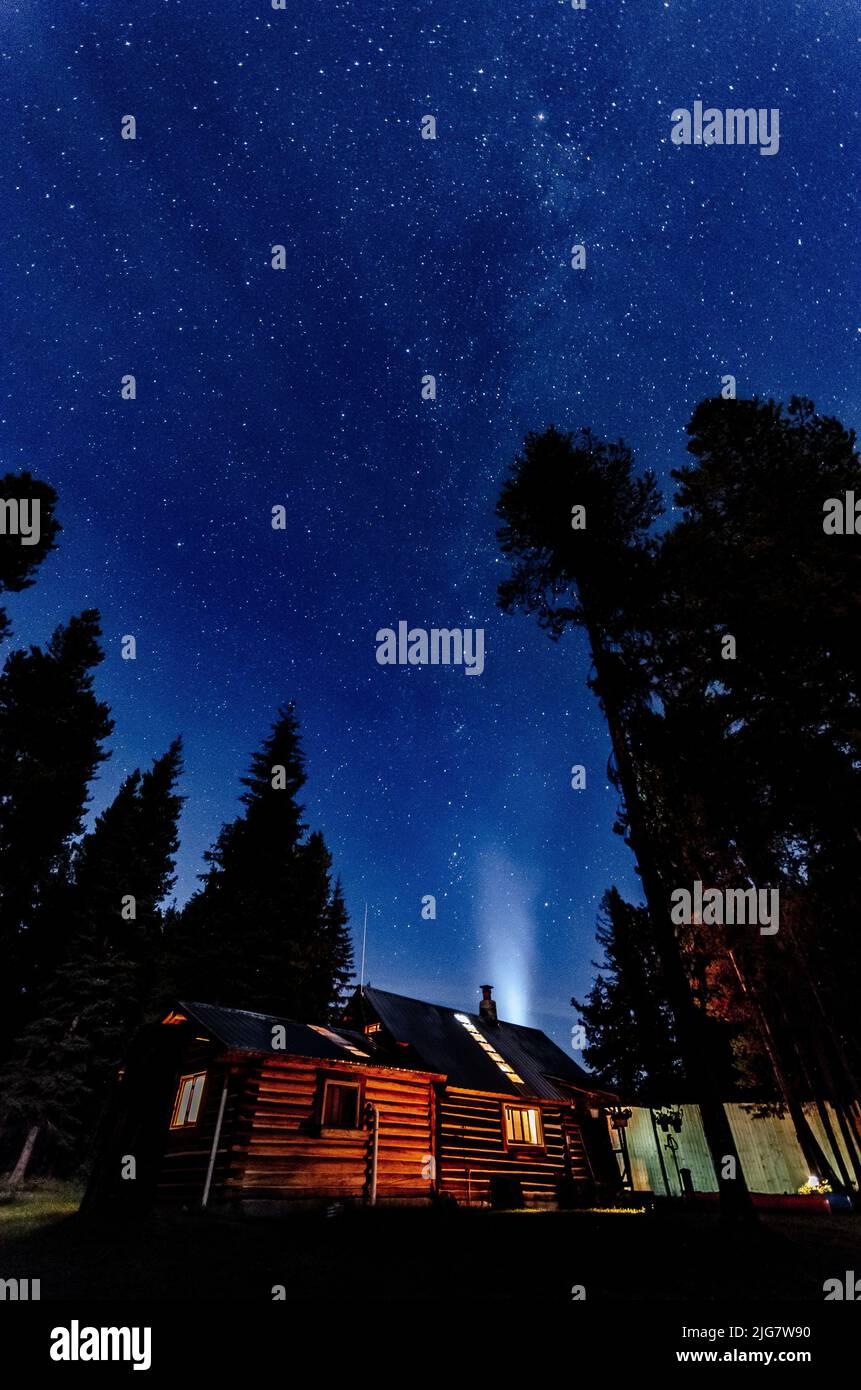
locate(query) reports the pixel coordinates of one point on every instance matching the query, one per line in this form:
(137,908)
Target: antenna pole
(364,939)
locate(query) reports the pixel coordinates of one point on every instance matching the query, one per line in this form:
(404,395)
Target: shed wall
(771,1158)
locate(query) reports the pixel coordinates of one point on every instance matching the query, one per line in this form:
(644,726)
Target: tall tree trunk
(24,1157)
(843,1096)
(814,1155)
(694,1032)
(850,1140)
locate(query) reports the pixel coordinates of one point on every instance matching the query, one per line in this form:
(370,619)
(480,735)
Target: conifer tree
(266,931)
(601,576)
(52,732)
(770,739)
(327,955)
(734,772)
(630,1035)
(96,999)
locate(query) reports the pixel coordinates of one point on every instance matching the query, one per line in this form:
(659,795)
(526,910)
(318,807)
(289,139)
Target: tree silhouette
(767,745)
(96,999)
(52,731)
(631,1040)
(602,577)
(266,931)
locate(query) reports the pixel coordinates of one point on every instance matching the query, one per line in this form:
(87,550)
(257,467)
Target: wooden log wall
(288,1158)
(272,1149)
(472,1149)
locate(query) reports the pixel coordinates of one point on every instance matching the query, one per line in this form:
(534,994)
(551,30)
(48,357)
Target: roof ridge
(470,1013)
(248,1013)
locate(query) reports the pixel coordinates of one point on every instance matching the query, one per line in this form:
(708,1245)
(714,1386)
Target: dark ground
(425,1254)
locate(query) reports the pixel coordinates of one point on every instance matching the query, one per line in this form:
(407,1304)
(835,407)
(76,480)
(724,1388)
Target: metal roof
(444,1045)
(242,1031)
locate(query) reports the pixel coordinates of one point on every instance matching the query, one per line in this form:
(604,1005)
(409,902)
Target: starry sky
(301,388)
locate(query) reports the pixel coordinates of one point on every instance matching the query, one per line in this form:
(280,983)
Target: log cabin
(219,1106)
(401,1102)
(517,1121)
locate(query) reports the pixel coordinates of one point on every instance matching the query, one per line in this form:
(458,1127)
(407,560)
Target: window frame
(510,1142)
(355,1083)
(185,1122)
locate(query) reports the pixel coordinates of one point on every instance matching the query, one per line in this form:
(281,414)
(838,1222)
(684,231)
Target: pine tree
(266,931)
(52,730)
(96,999)
(601,576)
(52,1087)
(734,772)
(770,739)
(327,958)
(631,1040)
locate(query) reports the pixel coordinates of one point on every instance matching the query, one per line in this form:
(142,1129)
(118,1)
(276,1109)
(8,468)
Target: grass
(674,1255)
(41,1203)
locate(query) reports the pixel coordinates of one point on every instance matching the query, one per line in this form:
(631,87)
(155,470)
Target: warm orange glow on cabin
(174,1017)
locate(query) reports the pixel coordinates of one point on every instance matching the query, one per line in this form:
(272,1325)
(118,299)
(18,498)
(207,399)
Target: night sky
(301,387)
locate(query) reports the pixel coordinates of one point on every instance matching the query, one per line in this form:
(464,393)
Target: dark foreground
(427,1255)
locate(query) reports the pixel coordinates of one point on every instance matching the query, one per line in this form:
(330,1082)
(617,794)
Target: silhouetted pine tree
(326,960)
(265,932)
(735,772)
(771,739)
(629,1027)
(52,730)
(96,999)
(601,577)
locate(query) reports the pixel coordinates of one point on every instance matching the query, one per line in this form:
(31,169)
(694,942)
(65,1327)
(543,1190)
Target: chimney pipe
(487,1007)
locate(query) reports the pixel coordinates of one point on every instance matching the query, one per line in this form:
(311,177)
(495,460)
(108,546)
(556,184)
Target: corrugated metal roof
(445,1045)
(249,1032)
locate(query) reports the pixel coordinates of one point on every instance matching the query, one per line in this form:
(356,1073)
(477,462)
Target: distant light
(813,1182)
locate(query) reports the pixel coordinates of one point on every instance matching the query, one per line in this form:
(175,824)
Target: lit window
(341,1105)
(491,1051)
(522,1125)
(188,1097)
